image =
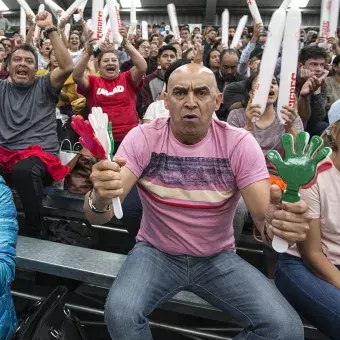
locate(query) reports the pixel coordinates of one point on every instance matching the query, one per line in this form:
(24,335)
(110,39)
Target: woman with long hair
(266,127)
(75,46)
(212,60)
(308,275)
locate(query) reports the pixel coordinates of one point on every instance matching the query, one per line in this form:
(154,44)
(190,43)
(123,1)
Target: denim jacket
(8,239)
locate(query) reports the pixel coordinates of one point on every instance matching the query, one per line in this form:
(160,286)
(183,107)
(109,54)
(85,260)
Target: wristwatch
(52,29)
(94,209)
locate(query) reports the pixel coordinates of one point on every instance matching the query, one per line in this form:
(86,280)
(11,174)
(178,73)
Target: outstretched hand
(90,41)
(299,167)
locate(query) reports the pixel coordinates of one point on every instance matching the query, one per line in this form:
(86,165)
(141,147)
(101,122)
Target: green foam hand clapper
(299,168)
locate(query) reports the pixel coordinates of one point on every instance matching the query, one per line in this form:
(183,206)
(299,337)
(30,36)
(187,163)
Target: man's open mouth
(22,73)
(190,117)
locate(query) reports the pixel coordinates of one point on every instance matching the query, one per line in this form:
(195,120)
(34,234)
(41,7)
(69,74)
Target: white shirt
(42,62)
(323,202)
(75,55)
(158,110)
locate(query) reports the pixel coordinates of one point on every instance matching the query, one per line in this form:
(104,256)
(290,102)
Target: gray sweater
(5,25)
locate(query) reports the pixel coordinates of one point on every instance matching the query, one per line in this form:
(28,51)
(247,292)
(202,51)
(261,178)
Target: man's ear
(219,99)
(166,100)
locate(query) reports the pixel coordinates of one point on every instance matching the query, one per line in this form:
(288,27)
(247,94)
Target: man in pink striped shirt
(191,171)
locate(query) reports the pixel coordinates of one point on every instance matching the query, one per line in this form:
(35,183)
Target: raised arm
(8,25)
(61,27)
(140,66)
(31,28)
(311,85)
(79,75)
(243,64)
(61,73)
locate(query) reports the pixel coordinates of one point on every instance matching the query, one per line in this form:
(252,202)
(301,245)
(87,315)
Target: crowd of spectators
(174,155)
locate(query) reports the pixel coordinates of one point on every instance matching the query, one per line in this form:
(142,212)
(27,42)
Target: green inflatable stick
(109,130)
(298,168)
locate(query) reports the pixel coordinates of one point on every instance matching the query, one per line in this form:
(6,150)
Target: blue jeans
(316,300)
(149,277)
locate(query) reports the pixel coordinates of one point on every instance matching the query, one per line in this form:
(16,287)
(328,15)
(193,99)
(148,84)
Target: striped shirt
(190,192)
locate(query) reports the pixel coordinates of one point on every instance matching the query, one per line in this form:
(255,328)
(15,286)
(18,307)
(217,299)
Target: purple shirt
(190,192)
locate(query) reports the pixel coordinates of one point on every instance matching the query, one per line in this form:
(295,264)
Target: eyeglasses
(145,47)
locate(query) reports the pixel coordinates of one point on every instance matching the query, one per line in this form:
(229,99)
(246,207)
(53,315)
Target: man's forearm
(262,227)
(63,37)
(60,51)
(78,72)
(304,108)
(30,35)
(96,218)
(318,107)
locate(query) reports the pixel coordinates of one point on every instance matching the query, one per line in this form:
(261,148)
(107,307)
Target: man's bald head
(194,73)
(192,97)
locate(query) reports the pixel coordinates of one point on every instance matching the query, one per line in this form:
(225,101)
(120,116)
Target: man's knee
(27,168)
(286,324)
(122,313)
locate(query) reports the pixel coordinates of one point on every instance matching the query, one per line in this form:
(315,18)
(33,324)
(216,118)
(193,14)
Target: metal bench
(99,268)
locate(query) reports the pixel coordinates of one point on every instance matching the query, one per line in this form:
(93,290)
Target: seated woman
(267,130)
(113,91)
(309,275)
(8,239)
